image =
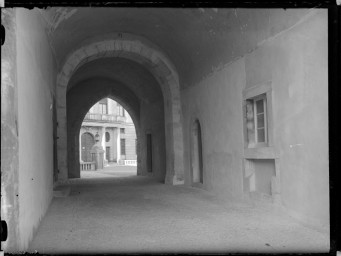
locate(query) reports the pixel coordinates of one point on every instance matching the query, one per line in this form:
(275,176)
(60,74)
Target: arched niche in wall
(197,172)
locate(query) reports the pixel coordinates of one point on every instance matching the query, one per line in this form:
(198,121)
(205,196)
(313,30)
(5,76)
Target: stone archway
(148,55)
(77,112)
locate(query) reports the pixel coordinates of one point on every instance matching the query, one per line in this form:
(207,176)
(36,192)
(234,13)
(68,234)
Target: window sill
(260,153)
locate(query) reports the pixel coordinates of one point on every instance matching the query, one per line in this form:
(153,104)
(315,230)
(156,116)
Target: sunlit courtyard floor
(112,170)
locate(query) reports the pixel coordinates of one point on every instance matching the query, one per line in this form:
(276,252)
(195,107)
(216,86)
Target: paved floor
(112,170)
(137,214)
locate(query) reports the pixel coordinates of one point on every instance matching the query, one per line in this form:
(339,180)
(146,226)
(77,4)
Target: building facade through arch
(164,72)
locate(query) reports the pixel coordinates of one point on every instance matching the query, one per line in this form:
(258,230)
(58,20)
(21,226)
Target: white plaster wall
(295,62)
(217,103)
(299,70)
(36,76)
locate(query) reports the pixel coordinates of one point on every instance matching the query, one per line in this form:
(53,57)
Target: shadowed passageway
(138,214)
(230,140)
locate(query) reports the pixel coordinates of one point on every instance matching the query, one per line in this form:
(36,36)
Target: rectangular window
(123,146)
(103,108)
(120,110)
(107,153)
(256,121)
(122,130)
(260,119)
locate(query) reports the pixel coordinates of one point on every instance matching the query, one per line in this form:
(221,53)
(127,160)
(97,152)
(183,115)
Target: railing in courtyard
(104,118)
(87,166)
(130,162)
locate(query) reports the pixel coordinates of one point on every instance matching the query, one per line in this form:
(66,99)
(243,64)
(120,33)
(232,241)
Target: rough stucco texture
(217,103)
(295,61)
(36,73)
(298,65)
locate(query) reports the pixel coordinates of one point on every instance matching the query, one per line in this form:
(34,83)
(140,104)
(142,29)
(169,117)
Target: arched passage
(81,98)
(196,154)
(149,56)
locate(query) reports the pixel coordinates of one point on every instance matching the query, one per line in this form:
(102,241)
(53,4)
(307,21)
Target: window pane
(261,135)
(107,136)
(260,106)
(260,121)
(123,147)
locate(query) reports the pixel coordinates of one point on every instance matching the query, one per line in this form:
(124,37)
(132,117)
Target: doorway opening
(87,142)
(196,155)
(107,140)
(149,153)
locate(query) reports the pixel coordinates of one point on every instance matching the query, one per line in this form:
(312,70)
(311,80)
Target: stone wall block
(164,69)
(136,47)
(91,50)
(126,46)
(115,46)
(101,46)
(147,53)
(67,70)
(61,81)
(155,58)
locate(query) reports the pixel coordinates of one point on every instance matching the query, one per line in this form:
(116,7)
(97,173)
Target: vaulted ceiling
(196,40)
(134,76)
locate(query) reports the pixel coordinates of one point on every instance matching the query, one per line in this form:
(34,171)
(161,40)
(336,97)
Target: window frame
(103,106)
(107,136)
(253,94)
(261,97)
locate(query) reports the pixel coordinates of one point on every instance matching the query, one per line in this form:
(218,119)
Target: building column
(118,144)
(103,140)
(103,146)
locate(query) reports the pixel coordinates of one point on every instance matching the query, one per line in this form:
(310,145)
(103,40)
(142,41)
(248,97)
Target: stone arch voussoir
(158,64)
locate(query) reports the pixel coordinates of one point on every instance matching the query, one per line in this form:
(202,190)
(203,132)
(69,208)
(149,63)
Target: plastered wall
(294,61)
(35,78)
(152,121)
(216,103)
(297,61)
